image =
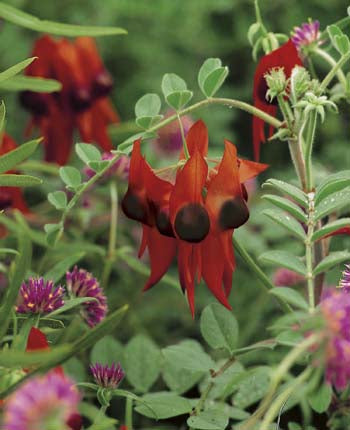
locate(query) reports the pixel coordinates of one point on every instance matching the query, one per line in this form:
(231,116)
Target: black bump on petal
(102,84)
(192,223)
(233,213)
(35,103)
(135,208)
(163,224)
(80,99)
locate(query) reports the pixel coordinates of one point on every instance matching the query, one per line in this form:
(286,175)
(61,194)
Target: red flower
(82,103)
(285,56)
(10,197)
(193,216)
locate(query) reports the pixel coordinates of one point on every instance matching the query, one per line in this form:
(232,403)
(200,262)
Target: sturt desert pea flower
(169,141)
(82,103)
(335,308)
(10,197)
(38,296)
(107,376)
(43,402)
(81,283)
(193,216)
(307,35)
(120,168)
(286,57)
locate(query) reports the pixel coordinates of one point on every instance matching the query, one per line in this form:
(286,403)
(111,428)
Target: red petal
(285,56)
(249,169)
(36,340)
(197,139)
(187,261)
(162,250)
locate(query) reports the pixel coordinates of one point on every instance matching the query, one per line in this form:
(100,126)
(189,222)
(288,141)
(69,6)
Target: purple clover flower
(335,307)
(120,168)
(107,376)
(169,140)
(81,283)
(345,280)
(307,34)
(43,402)
(38,296)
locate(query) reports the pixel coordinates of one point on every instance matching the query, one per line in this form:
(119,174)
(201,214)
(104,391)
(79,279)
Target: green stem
(258,16)
(309,141)
(265,282)
(184,143)
(128,413)
(277,405)
(286,111)
(327,80)
(309,252)
(297,157)
(331,61)
(112,234)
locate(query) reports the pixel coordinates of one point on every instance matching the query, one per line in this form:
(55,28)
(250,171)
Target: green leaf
(2,116)
(289,338)
(211,419)
(175,91)
(87,152)
(286,221)
(331,228)
(60,269)
(290,190)
(30,83)
(189,355)
(12,158)
(321,398)
(97,166)
(165,405)
(75,369)
(148,106)
(58,199)
(142,353)
(14,180)
(333,31)
(17,68)
(334,202)
(17,17)
(342,43)
(290,296)
(286,205)
(8,251)
(177,379)
(331,260)
(211,76)
(146,122)
(219,327)
(284,259)
(72,303)
(252,387)
(331,184)
(107,351)
(70,176)
(53,233)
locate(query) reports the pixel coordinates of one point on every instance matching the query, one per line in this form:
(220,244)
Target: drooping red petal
(135,203)
(162,250)
(187,213)
(187,261)
(224,201)
(249,169)
(197,139)
(285,56)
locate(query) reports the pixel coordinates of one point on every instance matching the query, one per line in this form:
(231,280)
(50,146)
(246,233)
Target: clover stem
(112,234)
(331,61)
(326,81)
(128,413)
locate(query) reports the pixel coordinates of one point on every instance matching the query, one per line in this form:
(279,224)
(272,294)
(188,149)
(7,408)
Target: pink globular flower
(107,376)
(119,169)
(169,141)
(43,402)
(38,296)
(335,308)
(286,278)
(307,34)
(81,283)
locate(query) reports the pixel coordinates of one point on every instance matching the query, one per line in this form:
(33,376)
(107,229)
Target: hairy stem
(309,141)
(327,80)
(309,252)
(331,61)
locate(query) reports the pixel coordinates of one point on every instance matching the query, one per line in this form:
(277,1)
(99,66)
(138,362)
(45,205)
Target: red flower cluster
(286,57)
(192,217)
(10,197)
(81,103)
